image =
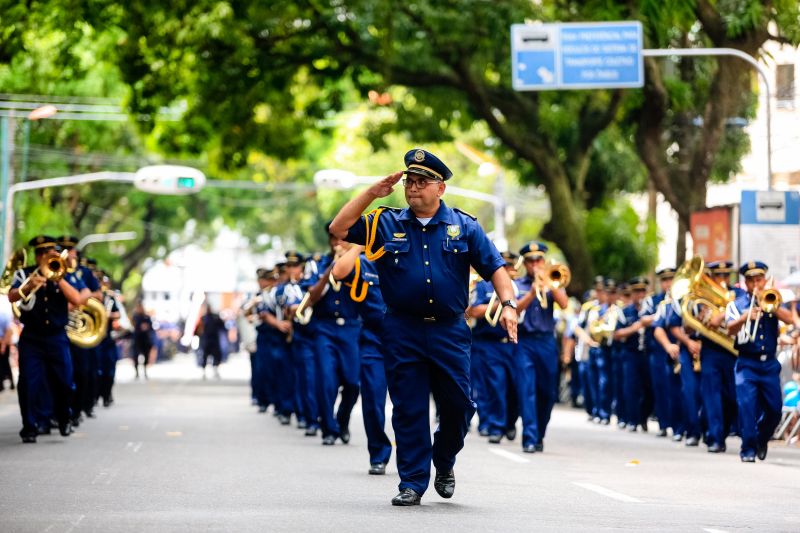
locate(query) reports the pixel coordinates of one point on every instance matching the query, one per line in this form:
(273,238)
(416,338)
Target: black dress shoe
(604,421)
(677,438)
(406,497)
(328,440)
(345,436)
(748,459)
(661,433)
(377,469)
(483,432)
(76,421)
(495,439)
(262,408)
(530,448)
(284,420)
(511,434)
(716,448)
(65,429)
(632,429)
(761,452)
(311,432)
(539,446)
(90,414)
(28,435)
(692,441)
(302,424)
(445,484)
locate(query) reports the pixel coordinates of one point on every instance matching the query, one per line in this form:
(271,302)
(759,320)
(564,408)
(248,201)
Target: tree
(683,132)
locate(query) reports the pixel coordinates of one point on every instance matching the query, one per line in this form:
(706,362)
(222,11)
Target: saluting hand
(385,186)
(508,319)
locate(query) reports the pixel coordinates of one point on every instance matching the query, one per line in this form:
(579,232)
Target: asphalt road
(178,453)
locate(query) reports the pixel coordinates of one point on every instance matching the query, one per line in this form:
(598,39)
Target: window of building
(785,86)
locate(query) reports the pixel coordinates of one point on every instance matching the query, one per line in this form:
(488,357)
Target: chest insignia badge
(453,231)
(399,236)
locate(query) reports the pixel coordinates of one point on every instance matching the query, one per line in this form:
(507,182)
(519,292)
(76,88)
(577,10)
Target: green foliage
(622,245)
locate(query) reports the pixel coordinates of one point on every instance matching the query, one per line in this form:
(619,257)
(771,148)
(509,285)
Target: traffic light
(169,179)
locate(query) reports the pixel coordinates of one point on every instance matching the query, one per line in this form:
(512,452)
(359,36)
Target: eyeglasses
(420,183)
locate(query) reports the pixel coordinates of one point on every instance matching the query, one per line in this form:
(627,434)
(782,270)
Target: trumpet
(770,300)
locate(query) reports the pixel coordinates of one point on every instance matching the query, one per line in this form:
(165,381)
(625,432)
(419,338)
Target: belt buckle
(763,357)
(340,321)
(504,340)
(429,319)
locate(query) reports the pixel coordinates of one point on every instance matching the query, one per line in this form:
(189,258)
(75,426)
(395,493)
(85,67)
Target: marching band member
(537,355)
(44,358)
(753,319)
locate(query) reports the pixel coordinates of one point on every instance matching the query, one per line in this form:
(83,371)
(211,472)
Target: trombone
(304,311)
(555,276)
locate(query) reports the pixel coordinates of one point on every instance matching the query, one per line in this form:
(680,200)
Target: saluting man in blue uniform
(757,370)
(44,359)
(537,354)
(423,254)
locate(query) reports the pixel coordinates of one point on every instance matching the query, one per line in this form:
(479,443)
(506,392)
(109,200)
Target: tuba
(602,329)
(17,260)
(88,324)
(695,291)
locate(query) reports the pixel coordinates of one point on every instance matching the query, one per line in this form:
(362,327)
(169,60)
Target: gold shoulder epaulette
(473,217)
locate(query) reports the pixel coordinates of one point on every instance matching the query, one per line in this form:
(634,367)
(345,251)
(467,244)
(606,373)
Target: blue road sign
(583,55)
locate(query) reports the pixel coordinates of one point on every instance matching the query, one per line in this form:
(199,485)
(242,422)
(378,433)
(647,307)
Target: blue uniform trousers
(108,355)
(658,382)
(719,392)
(282,374)
(306,378)
(500,370)
(80,378)
(600,366)
(574,380)
(537,363)
(635,373)
(262,377)
(617,376)
(478,382)
(675,410)
(373,400)
(423,358)
(758,393)
(93,367)
(585,371)
(692,399)
(44,364)
(338,364)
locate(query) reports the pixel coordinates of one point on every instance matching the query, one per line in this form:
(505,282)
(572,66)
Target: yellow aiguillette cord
(372,231)
(354,286)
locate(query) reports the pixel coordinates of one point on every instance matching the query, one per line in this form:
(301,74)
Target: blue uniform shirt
(668,319)
(759,341)
(46,311)
(635,342)
(425,269)
(536,319)
(87,277)
(334,305)
(481,295)
(372,308)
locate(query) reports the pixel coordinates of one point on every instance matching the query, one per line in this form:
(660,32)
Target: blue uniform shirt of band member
(537,319)
(650,306)
(372,308)
(762,341)
(425,269)
(668,320)
(481,295)
(334,305)
(46,311)
(635,341)
(88,278)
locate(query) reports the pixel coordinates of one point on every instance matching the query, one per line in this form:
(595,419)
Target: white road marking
(508,455)
(78,521)
(607,492)
(712,530)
